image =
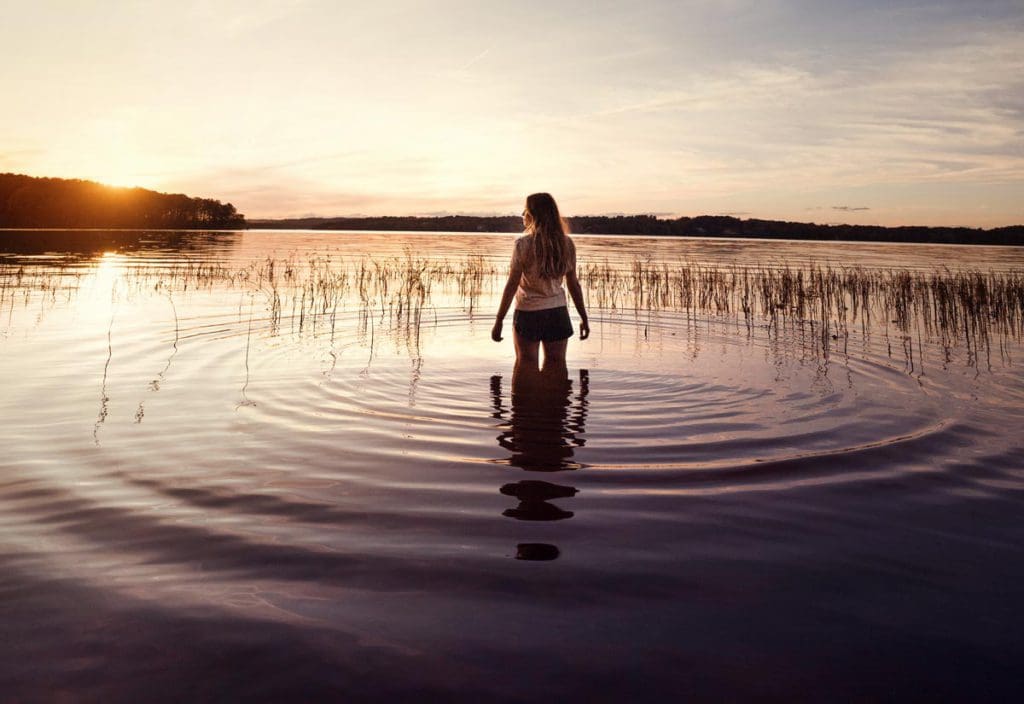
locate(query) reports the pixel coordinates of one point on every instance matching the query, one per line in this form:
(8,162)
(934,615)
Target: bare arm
(506,300)
(576,293)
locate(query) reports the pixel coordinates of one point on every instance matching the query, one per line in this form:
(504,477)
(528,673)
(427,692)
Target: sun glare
(118,171)
(105,275)
(116,159)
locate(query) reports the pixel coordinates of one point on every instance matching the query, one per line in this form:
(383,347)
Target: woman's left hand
(496,331)
(584,329)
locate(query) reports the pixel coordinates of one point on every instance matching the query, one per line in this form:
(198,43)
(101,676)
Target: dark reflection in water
(533,498)
(545,423)
(93,243)
(538,552)
(542,427)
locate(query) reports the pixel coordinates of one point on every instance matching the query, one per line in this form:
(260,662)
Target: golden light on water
(106,276)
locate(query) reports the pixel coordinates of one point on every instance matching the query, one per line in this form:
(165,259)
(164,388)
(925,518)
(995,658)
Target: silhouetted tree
(26,201)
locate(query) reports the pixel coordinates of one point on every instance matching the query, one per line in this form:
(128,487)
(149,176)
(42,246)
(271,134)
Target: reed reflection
(542,426)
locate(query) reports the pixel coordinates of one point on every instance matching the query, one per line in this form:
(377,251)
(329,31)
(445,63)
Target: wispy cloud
(236,18)
(943,116)
(469,64)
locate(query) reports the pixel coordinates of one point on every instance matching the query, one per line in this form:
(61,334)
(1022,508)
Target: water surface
(272,465)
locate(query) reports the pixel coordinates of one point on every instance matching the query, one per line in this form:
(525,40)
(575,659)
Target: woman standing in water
(541,258)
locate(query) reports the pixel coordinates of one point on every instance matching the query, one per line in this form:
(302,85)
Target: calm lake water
(293,466)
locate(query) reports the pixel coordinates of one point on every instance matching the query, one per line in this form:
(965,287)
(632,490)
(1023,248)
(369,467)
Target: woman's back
(537,291)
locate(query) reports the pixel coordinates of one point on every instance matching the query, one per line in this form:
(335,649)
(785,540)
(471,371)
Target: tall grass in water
(962,308)
(954,308)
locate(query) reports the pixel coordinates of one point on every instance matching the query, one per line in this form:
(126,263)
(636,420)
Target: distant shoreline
(54,203)
(716,226)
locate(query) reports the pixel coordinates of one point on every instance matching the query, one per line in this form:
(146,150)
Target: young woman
(542,257)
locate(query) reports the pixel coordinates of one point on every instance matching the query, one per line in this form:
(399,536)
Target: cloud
(238,18)
(850,208)
(469,64)
(942,113)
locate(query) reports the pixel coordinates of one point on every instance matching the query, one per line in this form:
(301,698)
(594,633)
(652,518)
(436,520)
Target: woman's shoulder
(522,243)
(520,250)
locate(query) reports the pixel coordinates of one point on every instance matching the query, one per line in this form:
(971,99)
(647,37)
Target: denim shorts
(545,325)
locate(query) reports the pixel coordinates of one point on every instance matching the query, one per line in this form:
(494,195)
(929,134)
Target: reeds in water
(961,308)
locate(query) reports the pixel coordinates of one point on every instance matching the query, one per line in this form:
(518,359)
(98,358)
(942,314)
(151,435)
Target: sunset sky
(846,111)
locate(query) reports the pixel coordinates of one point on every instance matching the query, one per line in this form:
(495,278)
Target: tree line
(650,225)
(31,202)
(27,201)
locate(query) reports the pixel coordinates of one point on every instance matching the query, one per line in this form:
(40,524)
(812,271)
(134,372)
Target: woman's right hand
(496,331)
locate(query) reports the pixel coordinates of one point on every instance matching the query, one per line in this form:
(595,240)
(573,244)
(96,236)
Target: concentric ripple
(359,482)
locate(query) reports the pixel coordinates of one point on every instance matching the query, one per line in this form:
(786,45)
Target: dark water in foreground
(221,483)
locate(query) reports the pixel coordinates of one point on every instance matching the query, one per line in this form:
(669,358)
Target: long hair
(548,230)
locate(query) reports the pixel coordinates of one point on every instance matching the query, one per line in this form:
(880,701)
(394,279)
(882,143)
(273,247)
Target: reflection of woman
(542,428)
(540,260)
(545,426)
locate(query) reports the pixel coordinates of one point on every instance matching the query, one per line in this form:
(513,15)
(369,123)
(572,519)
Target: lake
(294,466)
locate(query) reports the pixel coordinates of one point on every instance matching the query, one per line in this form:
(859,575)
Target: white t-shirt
(536,292)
